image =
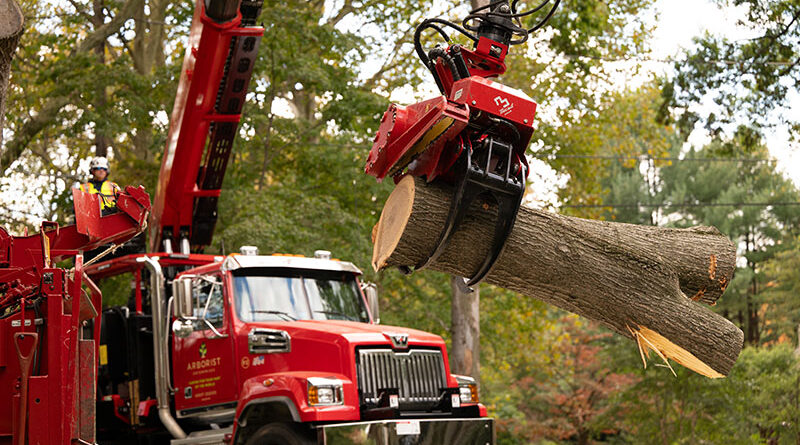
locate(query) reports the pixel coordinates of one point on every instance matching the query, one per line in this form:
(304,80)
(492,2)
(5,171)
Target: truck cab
(251,349)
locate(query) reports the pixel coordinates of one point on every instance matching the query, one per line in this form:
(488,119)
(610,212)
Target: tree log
(637,280)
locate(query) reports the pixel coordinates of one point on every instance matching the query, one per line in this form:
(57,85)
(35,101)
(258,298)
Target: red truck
(249,349)
(279,349)
(252,349)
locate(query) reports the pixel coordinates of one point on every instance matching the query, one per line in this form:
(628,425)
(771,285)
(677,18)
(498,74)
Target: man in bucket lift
(100,184)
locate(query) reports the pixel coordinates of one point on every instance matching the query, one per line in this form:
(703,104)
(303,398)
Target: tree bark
(11,21)
(465,329)
(101,139)
(637,280)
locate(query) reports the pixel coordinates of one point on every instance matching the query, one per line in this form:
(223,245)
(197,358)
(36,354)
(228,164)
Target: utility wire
(695,204)
(619,157)
(672,61)
(655,158)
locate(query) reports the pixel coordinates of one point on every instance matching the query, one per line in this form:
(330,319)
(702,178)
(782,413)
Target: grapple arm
(475,135)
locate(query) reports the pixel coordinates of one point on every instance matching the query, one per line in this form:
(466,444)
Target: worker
(100,184)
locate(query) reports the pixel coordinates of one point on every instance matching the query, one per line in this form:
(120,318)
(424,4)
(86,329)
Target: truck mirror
(182,293)
(371,292)
(182,328)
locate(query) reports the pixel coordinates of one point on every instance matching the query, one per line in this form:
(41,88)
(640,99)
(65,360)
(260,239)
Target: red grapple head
(417,132)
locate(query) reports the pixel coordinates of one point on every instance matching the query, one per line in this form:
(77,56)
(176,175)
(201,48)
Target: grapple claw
(488,174)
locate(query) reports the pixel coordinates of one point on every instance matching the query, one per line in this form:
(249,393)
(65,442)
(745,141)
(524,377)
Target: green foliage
(781,284)
(731,185)
(716,193)
(746,78)
(623,126)
(118,290)
(569,396)
(757,403)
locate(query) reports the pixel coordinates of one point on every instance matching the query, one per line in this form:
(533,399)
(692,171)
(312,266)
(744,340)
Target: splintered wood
(637,280)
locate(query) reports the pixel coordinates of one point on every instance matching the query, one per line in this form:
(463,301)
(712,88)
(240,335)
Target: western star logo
(203,350)
(399,339)
(504,104)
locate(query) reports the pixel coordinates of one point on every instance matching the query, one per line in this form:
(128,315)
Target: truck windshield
(315,295)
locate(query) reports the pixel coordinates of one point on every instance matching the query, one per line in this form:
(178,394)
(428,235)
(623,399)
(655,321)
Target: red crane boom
(214,80)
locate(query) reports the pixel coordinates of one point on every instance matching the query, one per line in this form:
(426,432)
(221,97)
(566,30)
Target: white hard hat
(98,162)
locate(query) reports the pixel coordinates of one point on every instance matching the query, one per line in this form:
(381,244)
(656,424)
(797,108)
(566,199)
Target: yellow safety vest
(108,193)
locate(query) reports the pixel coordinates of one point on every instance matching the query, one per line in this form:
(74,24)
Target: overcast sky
(680,20)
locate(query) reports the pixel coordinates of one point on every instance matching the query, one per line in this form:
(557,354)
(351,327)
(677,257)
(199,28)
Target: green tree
(781,288)
(747,79)
(748,201)
(570,400)
(756,404)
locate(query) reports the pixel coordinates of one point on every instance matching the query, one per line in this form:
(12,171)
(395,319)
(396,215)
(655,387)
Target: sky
(677,23)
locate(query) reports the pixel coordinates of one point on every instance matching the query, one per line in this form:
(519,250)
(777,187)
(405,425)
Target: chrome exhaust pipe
(159,347)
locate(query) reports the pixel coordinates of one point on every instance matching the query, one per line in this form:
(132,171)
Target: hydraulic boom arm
(205,118)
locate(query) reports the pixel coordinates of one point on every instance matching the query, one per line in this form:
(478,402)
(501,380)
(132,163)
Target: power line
(672,61)
(683,205)
(655,158)
(610,157)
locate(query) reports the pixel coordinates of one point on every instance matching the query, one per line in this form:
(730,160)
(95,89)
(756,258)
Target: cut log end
(392,224)
(11,21)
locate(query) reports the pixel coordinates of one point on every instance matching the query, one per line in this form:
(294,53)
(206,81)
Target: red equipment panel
(495,98)
(42,390)
(407,132)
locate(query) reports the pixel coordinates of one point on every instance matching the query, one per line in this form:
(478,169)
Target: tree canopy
(99,77)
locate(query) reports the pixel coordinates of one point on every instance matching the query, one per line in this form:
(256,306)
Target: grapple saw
(475,134)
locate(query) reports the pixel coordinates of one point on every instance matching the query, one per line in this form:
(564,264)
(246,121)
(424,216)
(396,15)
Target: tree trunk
(465,314)
(633,279)
(10,31)
(101,139)
(465,329)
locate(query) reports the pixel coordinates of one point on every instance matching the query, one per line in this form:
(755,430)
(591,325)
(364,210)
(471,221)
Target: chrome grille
(418,375)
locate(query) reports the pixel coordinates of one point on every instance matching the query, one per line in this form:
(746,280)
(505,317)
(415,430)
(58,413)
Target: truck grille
(418,375)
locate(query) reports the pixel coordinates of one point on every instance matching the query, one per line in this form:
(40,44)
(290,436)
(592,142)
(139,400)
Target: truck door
(202,362)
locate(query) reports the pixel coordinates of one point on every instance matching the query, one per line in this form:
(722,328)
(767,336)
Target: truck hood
(352,332)
(327,347)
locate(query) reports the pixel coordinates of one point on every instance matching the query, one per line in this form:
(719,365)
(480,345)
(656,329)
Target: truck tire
(282,434)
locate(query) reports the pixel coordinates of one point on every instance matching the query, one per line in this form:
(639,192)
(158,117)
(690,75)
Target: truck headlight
(467,389)
(323,391)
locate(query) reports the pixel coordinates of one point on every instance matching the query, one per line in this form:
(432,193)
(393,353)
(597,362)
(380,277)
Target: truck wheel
(282,434)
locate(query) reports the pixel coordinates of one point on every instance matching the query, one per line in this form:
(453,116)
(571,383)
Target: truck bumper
(478,431)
